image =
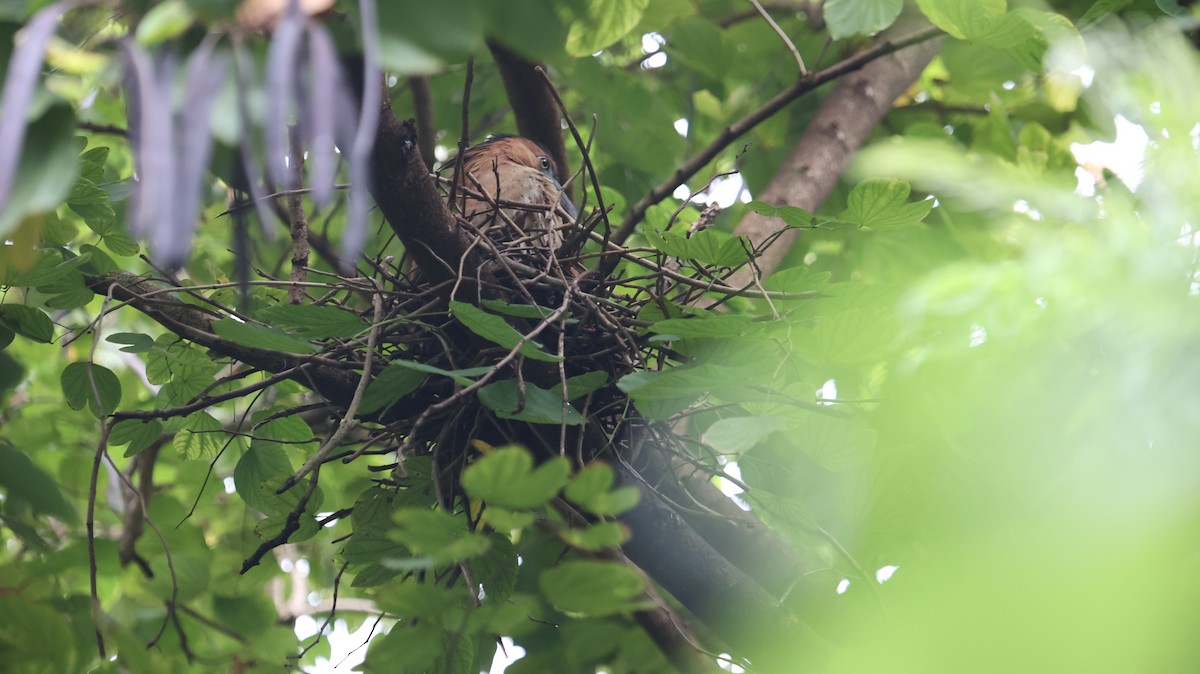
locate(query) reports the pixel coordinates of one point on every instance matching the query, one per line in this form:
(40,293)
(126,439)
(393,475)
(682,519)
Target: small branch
(783,36)
(732,132)
(587,160)
(348,419)
(290,526)
(299,225)
(465,135)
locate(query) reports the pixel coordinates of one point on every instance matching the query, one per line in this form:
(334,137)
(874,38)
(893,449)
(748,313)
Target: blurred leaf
(166,20)
(591,489)
(21,479)
(591,587)
(860,17)
(443,538)
(507,478)
(597,537)
(738,434)
(48,163)
(450,29)
(605,22)
(714,326)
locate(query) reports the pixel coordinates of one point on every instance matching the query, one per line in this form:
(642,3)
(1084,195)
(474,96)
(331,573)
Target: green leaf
(436,534)
(793,216)
(605,22)
(136,433)
(91,385)
(260,471)
(98,262)
(50,266)
(882,204)
(67,292)
(963,19)
(91,164)
(581,385)
(698,43)
(591,587)
(540,406)
(452,29)
(202,438)
(12,372)
(503,519)
(739,434)
(135,341)
(91,203)
(28,322)
(860,17)
(463,376)
(518,310)
(49,161)
(710,247)
(590,489)
(834,444)
(261,337)
(164,21)
(597,537)
(496,569)
(709,326)
(315,322)
(390,385)
(506,477)
(496,330)
(22,479)
(120,243)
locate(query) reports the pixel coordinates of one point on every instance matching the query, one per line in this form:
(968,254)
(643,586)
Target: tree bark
(845,119)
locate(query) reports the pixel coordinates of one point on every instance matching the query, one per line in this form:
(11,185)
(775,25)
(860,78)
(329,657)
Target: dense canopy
(861,353)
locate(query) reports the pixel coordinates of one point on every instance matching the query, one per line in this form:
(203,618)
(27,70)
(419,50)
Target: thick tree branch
(422,101)
(718,593)
(846,118)
(731,133)
(328,378)
(532,104)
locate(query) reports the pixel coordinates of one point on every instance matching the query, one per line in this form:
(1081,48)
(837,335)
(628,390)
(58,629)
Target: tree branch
(731,133)
(845,119)
(533,104)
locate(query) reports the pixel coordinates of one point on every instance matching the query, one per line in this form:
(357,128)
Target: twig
(299,225)
(348,421)
(779,31)
(587,160)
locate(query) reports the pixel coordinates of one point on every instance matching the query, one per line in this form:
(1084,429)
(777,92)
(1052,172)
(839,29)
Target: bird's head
(517,169)
(507,153)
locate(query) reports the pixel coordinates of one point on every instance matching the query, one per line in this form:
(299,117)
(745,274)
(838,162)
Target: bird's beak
(565,203)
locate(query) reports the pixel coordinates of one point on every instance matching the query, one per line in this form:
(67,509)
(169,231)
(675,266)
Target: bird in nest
(509,190)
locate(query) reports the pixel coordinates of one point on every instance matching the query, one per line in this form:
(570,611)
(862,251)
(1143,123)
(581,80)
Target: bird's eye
(545,163)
